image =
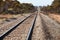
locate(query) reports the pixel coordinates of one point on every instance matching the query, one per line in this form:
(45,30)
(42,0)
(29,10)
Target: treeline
(15,7)
(54,7)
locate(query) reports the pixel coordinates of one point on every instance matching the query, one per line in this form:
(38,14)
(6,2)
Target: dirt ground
(55,17)
(8,16)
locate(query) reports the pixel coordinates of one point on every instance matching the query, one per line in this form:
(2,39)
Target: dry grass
(4,17)
(7,16)
(56,17)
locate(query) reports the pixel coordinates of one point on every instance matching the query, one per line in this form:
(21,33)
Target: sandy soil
(5,17)
(56,17)
(8,16)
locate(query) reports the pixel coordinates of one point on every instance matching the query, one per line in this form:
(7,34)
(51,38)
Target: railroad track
(34,27)
(45,29)
(6,23)
(38,31)
(15,28)
(5,28)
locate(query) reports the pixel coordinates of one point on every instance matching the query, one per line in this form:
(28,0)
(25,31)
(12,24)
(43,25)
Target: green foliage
(55,7)
(56,4)
(15,7)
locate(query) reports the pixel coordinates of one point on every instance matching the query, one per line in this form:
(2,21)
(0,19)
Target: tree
(54,7)
(15,7)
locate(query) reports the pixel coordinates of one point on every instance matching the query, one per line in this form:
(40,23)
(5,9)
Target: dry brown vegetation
(56,17)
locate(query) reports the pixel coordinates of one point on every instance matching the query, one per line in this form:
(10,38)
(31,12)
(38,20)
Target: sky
(37,2)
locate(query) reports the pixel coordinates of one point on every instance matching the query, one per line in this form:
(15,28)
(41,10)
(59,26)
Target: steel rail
(31,29)
(12,28)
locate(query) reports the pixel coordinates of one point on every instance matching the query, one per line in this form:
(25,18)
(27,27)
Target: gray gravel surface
(38,33)
(51,28)
(21,32)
